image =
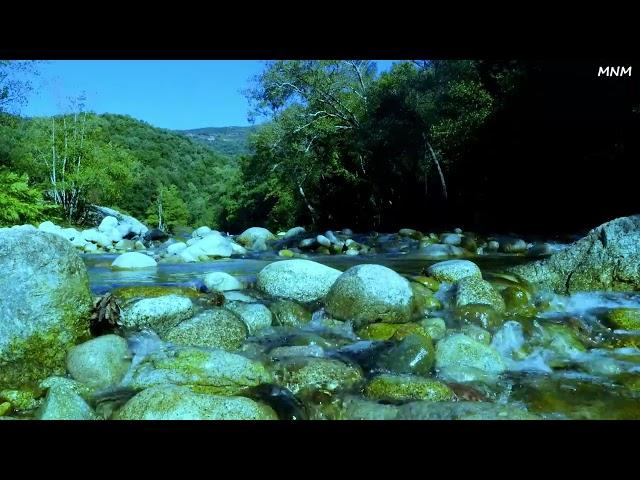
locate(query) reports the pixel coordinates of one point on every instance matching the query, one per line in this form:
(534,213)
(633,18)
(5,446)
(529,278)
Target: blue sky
(174,94)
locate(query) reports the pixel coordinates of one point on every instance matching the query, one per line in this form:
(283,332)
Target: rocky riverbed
(316,325)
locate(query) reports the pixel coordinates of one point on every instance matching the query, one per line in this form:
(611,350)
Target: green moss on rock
(407,387)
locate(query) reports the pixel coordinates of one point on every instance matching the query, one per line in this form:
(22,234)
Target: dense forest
(490,145)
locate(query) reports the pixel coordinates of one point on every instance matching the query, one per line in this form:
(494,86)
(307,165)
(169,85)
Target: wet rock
(156,235)
(279,353)
(256,316)
(308,374)
(435,327)
(392,388)
(355,408)
(209,371)
(512,245)
(414,354)
(46,304)
(481,315)
(221,282)
(174,248)
(63,402)
(368,294)
(300,280)
(623,318)
(131,260)
(437,250)
(292,232)
(459,350)
(289,314)
(453,270)
(540,249)
(424,300)
(168,402)
(474,290)
(451,239)
(515,297)
(215,328)
(608,258)
(477,333)
(323,241)
(462,411)
(159,314)
(254,234)
(99,362)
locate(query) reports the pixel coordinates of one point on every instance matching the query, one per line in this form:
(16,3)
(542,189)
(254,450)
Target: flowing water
(591,373)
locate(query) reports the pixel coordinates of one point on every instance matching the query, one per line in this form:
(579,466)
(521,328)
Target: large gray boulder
(300,280)
(45,304)
(608,258)
(370,293)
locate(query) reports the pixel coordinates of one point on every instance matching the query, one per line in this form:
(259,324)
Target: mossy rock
(387,331)
(207,371)
(288,313)
(560,339)
(463,411)
(424,301)
(473,290)
(414,354)
(459,350)
(308,374)
(435,327)
(515,297)
(46,305)
(169,402)
(394,388)
(368,294)
(623,318)
(214,328)
(125,294)
(483,316)
(21,400)
(477,333)
(429,282)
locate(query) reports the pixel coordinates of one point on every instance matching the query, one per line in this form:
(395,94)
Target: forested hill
(126,164)
(225,140)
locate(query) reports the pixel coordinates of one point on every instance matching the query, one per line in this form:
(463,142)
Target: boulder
(608,258)
(300,280)
(159,314)
(133,260)
(99,362)
(254,234)
(453,270)
(215,328)
(168,402)
(368,294)
(46,304)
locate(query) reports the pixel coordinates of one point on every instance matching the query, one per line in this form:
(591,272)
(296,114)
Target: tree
(19,202)
(67,156)
(15,82)
(168,210)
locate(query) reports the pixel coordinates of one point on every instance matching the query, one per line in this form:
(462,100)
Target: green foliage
(168,210)
(19,202)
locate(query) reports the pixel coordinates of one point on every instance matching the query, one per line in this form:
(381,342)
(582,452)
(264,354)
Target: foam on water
(583,302)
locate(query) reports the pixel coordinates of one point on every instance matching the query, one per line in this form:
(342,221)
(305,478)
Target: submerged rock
(459,350)
(407,387)
(370,293)
(608,258)
(623,318)
(100,362)
(169,402)
(46,304)
(300,280)
(289,314)
(414,354)
(462,411)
